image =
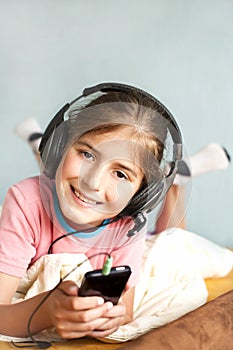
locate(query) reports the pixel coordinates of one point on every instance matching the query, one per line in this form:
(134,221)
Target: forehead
(115,144)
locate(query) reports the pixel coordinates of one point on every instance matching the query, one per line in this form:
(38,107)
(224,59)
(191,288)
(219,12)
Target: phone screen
(109,287)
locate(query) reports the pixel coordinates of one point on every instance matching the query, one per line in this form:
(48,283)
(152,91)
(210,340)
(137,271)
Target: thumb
(69,288)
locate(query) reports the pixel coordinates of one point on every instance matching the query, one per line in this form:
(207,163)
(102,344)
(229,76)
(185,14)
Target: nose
(93,178)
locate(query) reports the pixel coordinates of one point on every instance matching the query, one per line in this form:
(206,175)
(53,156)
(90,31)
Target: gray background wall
(181,51)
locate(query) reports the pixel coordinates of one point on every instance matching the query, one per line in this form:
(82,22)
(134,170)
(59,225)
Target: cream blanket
(175,264)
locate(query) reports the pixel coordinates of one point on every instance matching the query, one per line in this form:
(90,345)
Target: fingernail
(100,301)
(110,305)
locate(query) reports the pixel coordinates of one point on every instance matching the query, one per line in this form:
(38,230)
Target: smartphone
(109,287)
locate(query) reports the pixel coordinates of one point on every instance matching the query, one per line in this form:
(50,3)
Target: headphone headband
(105,87)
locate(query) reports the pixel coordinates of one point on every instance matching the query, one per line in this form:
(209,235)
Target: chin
(78,219)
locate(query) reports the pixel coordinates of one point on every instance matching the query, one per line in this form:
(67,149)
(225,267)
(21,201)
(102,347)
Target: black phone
(109,287)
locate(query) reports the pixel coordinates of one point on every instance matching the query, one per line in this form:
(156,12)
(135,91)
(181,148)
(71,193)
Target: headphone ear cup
(54,149)
(146,199)
(150,196)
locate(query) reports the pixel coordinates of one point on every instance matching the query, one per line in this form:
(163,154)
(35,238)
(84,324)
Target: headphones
(54,141)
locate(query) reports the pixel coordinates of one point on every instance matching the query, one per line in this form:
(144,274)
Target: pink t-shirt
(31,221)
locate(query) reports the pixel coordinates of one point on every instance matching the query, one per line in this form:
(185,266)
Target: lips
(82,198)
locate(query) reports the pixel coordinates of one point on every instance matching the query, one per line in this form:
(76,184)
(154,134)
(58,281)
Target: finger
(87,303)
(71,330)
(78,315)
(117,311)
(75,303)
(68,287)
(102,334)
(111,323)
(88,315)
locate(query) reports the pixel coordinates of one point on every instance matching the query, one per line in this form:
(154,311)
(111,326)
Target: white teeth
(84,199)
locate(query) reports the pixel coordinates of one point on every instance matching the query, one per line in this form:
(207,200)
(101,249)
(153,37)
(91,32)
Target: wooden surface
(219,286)
(216,287)
(79,344)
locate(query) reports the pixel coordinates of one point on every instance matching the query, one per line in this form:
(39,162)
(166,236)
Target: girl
(107,158)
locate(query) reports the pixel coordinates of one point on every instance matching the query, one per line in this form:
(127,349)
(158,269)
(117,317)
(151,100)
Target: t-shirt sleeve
(16,234)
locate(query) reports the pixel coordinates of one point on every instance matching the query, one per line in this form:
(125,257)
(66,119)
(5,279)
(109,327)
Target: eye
(120,175)
(87,155)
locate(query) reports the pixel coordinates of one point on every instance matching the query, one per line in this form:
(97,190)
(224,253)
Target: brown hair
(114,110)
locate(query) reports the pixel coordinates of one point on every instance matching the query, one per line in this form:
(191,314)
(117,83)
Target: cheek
(121,193)
(70,167)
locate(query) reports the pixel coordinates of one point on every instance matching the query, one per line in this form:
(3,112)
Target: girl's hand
(120,314)
(74,316)
(114,319)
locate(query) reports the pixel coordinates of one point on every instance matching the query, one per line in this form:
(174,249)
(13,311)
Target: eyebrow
(84,143)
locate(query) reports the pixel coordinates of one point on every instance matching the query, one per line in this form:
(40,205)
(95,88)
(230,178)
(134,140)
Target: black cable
(42,344)
(76,231)
(139,222)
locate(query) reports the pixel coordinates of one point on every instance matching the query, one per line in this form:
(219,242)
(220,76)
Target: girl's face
(98,177)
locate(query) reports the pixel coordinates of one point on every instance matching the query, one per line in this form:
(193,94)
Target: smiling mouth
(82,198)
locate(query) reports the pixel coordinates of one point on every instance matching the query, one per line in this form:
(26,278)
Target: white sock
(30,131)
(210,158)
